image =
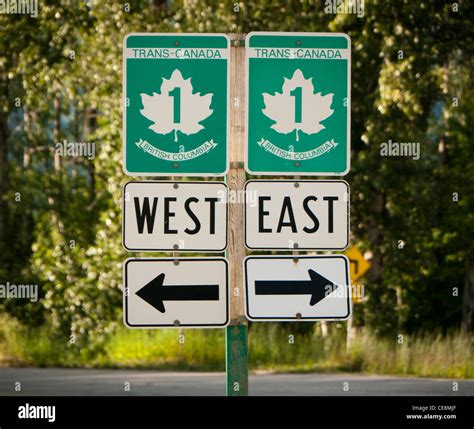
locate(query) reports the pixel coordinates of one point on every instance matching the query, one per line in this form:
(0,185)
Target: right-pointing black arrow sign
(155,292)
(318,287)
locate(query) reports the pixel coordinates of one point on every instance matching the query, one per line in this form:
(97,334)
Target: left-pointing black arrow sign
(155,292)
(318,287)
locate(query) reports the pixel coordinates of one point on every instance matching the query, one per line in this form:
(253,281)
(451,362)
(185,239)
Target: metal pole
(236,332)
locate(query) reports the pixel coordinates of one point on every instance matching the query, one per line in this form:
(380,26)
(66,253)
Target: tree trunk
(467,323)
(57,133)
(90,125)
(57,199)
(3,178)
(375,235)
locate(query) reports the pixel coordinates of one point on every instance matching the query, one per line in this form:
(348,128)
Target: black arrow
(154,293)
(318,287)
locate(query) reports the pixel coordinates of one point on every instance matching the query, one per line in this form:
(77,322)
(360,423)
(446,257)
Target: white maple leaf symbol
(179,111)
(282,107)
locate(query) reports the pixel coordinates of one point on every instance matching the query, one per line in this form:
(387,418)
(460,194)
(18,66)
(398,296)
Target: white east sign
(297,214)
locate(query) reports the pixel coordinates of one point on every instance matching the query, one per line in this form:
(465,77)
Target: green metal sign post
(298,103)
(236,360)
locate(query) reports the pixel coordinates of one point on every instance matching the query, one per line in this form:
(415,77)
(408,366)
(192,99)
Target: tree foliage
(60,219)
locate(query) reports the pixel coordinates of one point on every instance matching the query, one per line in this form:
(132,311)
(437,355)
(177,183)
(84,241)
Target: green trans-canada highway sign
(298,103)
(175,115)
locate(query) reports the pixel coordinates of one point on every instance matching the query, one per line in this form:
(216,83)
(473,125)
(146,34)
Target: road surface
(90,382)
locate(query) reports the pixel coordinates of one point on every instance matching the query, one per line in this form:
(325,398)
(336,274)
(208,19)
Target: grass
(271,347)
(429,355)
(165,349)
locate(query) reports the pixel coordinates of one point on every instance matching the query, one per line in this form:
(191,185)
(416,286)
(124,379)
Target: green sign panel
(175,116)
(298,92)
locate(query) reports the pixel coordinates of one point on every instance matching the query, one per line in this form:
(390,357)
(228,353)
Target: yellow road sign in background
(358,267)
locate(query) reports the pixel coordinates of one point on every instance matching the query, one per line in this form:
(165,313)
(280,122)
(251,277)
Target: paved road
(87,382)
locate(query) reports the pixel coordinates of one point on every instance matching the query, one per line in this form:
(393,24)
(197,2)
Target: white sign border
(294,319)
(196,326)
(247,81)
(287,249)
(124,108)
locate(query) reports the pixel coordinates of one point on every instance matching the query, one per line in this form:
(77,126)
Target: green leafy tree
(409,63)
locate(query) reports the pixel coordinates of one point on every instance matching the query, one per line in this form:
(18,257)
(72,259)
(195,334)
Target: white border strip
(299,53)
(176,53)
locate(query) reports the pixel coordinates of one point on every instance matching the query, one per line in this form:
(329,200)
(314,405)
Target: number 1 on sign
(298,103)
(176,94)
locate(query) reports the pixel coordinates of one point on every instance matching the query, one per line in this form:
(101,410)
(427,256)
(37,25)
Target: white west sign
(297,288)
(171,292)
(297,214)
(186,216)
